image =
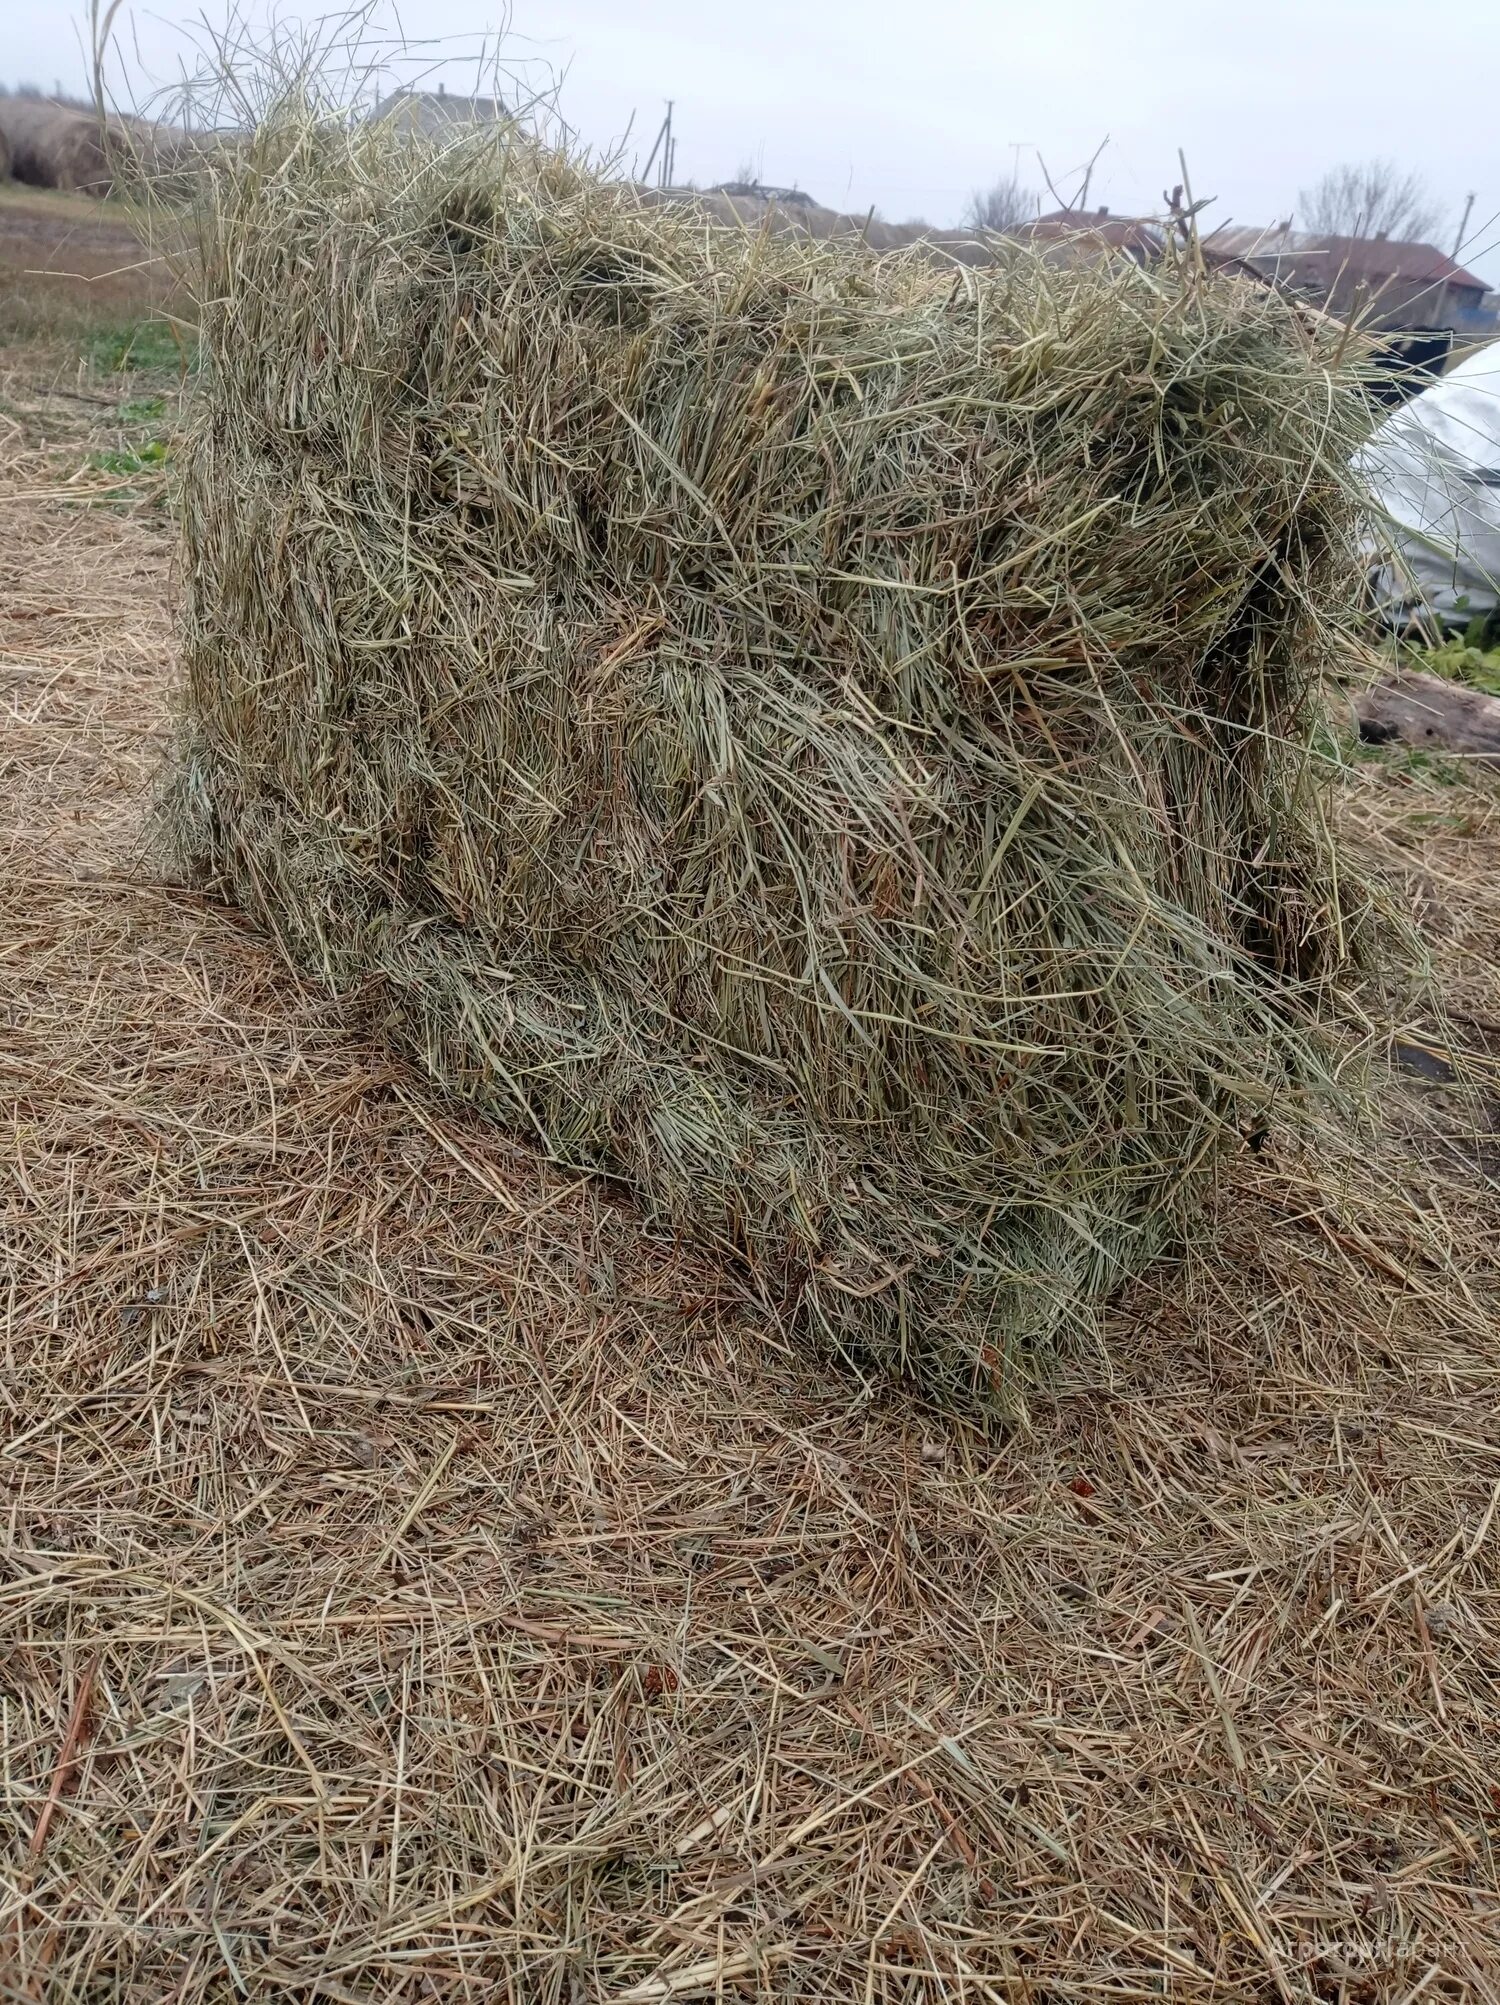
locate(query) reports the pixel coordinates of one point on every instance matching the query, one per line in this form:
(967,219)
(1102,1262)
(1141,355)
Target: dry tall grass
(422,1581)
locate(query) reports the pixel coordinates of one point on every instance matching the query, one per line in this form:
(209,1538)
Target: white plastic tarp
(1433,467)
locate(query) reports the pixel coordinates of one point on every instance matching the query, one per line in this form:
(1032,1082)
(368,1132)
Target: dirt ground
(420,1581)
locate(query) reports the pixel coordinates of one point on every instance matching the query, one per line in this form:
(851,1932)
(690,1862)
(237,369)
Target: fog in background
(909,109)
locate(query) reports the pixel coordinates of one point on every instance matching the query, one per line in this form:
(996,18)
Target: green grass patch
(147,345)
(137,471)
(1412,763)
(128,461)
(1460,659)
(142,410)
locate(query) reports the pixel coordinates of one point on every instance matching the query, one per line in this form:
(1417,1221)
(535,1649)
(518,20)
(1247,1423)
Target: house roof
(1098,228)
(759,191)
(1386,257)
(439,111)
(1257,240)
(1368,258)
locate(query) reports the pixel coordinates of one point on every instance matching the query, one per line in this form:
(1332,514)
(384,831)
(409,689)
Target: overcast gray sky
(909,107)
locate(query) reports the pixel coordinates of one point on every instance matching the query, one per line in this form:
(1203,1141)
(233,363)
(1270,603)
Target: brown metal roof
(1099,228)
(1311,258)
(1386,257)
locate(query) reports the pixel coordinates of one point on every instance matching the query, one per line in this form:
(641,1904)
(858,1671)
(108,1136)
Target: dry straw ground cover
(824,739)
(421,1580)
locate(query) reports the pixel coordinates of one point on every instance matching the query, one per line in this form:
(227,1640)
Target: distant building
(1413,296)
(757,191)
(1485,321)
(1090,230)
(1388,282)
(439,112)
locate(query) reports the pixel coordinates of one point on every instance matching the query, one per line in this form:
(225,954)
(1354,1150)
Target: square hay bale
(827,740)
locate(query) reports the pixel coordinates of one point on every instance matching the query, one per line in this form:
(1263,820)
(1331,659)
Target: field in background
(421,1581)
(75,278)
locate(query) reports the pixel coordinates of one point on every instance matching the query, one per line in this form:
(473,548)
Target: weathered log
(1425,711)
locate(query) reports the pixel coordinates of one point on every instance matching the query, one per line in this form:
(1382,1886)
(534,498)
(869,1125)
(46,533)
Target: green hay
(826,740)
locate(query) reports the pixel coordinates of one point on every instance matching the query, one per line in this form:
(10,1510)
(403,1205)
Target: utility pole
(664,146)
(1458,241)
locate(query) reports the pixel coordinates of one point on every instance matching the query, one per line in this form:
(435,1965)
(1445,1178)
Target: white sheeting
(1434,469)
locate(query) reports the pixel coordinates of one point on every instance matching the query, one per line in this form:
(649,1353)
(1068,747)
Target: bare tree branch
(1004,206)
(1372,198)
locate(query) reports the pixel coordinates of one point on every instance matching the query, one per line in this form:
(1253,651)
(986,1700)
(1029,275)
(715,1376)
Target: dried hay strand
(421,1581)
(827,741)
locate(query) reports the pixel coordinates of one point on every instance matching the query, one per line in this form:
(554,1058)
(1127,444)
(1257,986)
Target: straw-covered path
(419,1582)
